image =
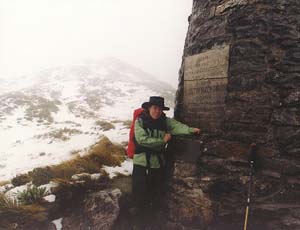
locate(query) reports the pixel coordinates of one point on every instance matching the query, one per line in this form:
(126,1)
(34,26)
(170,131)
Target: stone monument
(240,82)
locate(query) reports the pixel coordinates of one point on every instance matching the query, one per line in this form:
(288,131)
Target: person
(152,131)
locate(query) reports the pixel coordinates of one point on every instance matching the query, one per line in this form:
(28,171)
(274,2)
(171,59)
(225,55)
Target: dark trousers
(147,188)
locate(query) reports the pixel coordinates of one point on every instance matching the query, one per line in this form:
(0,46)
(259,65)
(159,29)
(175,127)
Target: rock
(189,206)
(184,169)
(51,227)
(99,211)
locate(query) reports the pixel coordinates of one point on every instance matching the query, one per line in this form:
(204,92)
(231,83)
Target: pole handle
(246,218)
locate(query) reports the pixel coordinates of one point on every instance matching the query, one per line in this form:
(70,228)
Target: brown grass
(102,153)
(107,153)
(105,126)
(75,152)
(6,202)
(127,124)
(60,134)
(4,182)
(25,216)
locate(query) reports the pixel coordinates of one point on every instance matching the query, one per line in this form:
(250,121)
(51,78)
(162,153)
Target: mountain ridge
(57,111)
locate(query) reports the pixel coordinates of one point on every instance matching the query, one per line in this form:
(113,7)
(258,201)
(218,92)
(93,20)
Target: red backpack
(131,145)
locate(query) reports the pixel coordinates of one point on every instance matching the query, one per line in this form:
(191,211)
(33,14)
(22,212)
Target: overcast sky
(36,34)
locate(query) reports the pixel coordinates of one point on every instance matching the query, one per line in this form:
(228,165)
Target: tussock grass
(127,123)
(41,175)
(28,211)
(107,153)
(4,182)
(60,134)
(7,202)
(12,211)
(105,126)
(116,121)
(75,152)
(77,165)
(102,153)
(25,216)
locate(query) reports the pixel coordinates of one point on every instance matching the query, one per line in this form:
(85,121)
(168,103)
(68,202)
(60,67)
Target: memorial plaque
(205,82)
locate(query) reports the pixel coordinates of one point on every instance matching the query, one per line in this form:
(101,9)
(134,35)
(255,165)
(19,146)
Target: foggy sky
(36,34)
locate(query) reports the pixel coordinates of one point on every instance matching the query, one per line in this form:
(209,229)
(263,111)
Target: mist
(37,34)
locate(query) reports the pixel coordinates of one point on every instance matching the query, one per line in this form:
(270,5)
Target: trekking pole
(252,161)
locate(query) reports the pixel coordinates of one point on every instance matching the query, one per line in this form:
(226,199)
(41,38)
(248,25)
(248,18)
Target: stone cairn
(240,82)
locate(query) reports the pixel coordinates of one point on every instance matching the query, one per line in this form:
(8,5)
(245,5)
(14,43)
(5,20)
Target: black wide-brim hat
(154,100)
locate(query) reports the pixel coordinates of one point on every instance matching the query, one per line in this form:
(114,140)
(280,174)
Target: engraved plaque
(205,82)
(208,65)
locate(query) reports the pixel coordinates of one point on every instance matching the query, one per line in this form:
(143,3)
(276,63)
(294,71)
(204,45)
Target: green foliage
(31,195)
(105,126)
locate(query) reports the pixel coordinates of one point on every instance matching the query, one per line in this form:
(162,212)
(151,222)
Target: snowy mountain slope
(47,117)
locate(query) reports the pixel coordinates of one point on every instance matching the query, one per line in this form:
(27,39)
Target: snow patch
(5,187)
(95,176)
(49,186)
(125,169)
(58,223)
(13,193)
(49,198)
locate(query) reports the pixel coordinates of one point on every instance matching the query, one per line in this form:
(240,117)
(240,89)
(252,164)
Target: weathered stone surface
(187,205)
(99,211)
(183,169)
(260,102)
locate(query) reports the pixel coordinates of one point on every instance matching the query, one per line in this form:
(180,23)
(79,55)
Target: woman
(152,132)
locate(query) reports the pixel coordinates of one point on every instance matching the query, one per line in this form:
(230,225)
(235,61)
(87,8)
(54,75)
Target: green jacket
(154,140)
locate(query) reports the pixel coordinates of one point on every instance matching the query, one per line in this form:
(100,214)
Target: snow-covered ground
(125,169)
(86,94)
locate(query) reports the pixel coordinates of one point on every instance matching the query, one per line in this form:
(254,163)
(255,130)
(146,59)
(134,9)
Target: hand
(197,131)
(167,137)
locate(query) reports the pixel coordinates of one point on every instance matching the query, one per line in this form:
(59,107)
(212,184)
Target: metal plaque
(205,83)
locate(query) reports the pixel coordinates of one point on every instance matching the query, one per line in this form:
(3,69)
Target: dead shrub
(41,175)
(20,179)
